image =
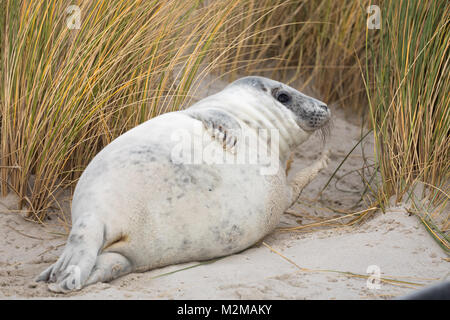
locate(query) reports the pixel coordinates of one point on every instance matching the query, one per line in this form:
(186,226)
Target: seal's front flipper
(220,125)
(306,175)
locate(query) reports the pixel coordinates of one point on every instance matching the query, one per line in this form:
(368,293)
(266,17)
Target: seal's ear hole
(283,96)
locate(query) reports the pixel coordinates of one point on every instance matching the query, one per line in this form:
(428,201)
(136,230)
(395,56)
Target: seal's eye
(283,97)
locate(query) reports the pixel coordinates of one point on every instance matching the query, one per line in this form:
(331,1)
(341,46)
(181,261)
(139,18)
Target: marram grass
(410,100)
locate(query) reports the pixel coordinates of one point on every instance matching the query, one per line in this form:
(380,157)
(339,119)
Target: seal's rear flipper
(74,266)
(109,266)
(222,126)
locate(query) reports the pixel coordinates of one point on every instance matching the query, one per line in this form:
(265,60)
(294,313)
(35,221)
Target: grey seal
(137,206)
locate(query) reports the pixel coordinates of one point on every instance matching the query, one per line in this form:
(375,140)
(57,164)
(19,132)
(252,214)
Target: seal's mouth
(315,121)
(313,115)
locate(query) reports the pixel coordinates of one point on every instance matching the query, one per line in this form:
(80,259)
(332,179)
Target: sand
(309,263)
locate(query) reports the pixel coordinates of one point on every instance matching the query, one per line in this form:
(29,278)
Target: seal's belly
(194,213)
(167,211)
(205,214)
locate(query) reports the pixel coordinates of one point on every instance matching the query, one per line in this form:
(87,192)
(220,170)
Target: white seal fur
(135,208)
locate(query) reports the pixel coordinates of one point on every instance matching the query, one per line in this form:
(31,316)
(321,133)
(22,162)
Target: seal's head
(310,114)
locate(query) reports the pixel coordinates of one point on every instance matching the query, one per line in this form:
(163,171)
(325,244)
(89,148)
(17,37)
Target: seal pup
(145,201)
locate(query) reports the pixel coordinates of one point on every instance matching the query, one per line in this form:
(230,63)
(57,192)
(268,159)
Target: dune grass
(409,104)
(318,41)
